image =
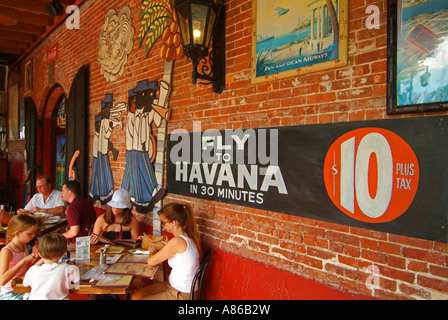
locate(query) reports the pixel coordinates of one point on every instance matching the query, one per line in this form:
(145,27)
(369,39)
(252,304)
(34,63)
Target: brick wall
(334,255)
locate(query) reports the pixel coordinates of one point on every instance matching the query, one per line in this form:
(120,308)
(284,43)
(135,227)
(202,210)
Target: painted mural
(139,177)
(102,183)
(115,43)
(147,106)
(159,20)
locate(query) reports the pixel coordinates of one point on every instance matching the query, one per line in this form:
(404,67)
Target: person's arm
(58,205)
(72,232)
(23,211)
(135,228)
(74,221)
(175,245)
(7,274)
(57,211)
(97,228)
(29,206)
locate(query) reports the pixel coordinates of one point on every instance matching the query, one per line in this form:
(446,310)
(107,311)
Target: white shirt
(51,281)
(184,266)
(54,200)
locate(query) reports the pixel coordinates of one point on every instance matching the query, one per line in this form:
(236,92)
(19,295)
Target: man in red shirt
(80,213)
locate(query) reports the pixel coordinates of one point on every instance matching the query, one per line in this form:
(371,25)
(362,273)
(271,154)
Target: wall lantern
(54,8)
(199,22)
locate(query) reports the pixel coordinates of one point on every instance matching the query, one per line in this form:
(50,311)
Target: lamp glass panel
(184,24)
(211,23)
(199,18)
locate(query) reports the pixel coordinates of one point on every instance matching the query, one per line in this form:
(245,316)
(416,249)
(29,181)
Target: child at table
(48,279)
(14,258)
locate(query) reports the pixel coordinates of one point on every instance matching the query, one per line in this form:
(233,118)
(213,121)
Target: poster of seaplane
(294,37)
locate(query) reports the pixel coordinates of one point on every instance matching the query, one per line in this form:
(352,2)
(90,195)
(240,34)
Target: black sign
(385,175)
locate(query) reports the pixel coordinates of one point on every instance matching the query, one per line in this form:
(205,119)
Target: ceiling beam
(27,17)
(33,6)
(24,27)
(21,36)
(14,44)
(17,51)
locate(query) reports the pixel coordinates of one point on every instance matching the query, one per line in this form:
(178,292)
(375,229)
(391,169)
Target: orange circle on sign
(371,174)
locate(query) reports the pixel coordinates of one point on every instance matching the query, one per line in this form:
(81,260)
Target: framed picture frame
(292,38)
(28,77)
(417,78)
(13,112)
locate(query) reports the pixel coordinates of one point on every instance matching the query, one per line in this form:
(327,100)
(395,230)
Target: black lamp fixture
(54,8)
(199,22)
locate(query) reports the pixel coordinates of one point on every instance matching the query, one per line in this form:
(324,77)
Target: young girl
(118,221)
(182,252)
(14,260)
(48,279)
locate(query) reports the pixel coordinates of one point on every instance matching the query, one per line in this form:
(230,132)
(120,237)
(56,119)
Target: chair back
(199,276)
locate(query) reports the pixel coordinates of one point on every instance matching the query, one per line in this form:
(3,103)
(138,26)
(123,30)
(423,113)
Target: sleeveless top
(184,266)
(16,257)
(116,235)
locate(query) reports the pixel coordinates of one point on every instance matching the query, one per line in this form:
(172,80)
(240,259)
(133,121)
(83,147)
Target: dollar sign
(335,171)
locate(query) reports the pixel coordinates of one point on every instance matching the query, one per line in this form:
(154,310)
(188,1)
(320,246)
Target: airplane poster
(295,37)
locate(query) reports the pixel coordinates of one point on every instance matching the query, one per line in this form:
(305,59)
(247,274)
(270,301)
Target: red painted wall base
(230,277)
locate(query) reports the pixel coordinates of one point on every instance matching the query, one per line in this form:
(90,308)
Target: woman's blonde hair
(19,223)
(183,214)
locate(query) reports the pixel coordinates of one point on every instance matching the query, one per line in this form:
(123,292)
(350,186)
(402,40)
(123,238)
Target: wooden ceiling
(22,24)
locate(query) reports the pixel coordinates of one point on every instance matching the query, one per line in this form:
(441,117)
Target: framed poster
(417,56)
(292,37)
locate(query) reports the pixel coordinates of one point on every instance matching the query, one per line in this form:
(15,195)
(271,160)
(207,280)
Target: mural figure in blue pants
(139,176)
(102,183)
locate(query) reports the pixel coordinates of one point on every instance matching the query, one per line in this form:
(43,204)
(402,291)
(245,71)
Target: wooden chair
(199,276)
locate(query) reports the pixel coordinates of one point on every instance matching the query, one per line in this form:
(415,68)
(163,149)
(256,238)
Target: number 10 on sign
(371,175)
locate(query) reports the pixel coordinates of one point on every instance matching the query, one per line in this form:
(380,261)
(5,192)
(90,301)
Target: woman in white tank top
(182,252)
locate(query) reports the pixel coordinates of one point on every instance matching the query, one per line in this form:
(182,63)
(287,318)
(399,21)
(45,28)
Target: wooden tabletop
(85,287)
(50,227)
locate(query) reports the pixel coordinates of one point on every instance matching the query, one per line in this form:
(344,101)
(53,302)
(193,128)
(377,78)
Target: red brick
(432,283)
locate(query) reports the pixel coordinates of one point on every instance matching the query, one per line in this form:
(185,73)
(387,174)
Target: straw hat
(121,199)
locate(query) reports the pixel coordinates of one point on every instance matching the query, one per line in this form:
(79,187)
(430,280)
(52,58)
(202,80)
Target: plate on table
(51,219)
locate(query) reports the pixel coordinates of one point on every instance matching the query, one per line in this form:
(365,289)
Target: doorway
(58,148)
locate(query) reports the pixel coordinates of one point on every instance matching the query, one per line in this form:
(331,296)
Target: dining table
(126,284)
(50,223)
(46,224)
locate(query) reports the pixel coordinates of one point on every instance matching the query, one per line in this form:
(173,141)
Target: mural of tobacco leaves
(159,20)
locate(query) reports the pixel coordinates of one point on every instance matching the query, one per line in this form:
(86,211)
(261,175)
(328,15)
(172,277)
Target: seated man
(80,213)
(46,199)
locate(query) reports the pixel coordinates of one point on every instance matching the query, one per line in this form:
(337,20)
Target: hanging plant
(159,20)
